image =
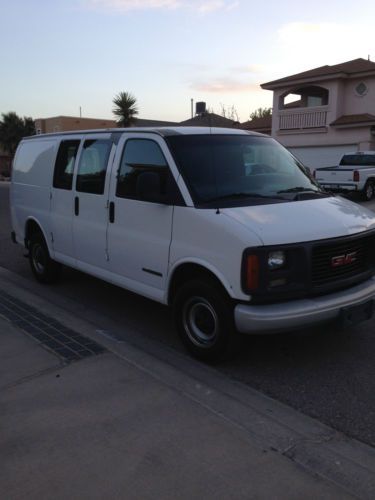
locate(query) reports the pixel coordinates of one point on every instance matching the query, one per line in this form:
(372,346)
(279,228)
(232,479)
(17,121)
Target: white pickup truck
(355,173)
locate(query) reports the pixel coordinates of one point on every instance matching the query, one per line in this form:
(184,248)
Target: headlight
(276,259)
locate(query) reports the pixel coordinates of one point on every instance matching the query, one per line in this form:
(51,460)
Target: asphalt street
(324,372)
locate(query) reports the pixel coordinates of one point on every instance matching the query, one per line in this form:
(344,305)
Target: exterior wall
(337,103)
(356,104)
(329,137)
(67,123)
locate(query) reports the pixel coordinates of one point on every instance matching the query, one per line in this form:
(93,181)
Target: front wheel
(204,319)
(43,267)
(368,191)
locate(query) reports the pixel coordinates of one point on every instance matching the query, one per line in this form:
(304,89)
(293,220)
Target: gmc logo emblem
(343,260)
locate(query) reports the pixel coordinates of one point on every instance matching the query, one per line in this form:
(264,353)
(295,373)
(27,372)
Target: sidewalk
(119,423)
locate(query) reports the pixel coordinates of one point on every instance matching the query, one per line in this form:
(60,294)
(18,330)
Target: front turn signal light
(252,272)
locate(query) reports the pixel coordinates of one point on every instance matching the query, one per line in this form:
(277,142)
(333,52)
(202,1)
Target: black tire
(43,267)
(368,191)
(204,319)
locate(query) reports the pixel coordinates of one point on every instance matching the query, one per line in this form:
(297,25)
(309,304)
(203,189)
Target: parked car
(355,173)
(224,225)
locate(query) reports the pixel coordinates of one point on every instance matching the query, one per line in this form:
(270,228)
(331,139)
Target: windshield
(239,167)
(356,159)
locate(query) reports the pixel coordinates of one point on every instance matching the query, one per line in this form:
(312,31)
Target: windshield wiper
(299,189)
(241,195)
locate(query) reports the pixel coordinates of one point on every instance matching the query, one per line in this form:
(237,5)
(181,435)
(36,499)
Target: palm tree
(12,129)
(125,109)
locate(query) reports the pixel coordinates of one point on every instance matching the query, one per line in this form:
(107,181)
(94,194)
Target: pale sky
(59,55)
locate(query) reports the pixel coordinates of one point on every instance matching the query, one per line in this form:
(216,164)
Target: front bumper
(272,318)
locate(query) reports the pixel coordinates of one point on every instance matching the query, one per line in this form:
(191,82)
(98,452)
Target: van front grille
(342,259)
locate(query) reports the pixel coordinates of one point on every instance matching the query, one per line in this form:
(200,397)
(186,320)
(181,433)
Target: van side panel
(31,183)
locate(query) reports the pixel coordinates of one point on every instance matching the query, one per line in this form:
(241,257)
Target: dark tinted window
(140,155)
(92,166)
(64,167)
(238,166)
(358,160)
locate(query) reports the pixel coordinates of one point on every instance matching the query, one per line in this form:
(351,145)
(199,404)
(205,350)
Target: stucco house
(325,112)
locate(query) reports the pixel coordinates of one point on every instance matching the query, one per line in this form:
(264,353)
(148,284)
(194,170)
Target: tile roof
(347,69)
(354,120)
(209,120)
(259,123)
(144,122)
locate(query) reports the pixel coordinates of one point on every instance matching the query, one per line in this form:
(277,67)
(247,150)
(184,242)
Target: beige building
(67,123)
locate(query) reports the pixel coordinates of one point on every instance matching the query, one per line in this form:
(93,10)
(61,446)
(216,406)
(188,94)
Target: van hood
(300,221)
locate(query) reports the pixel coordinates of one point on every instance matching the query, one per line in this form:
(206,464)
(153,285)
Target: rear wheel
(368,191)
(204,319)
(43,267)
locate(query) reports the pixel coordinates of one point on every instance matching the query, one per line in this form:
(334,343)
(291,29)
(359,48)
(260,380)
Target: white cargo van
(224,225)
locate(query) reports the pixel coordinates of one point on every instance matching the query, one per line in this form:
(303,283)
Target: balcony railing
(302,120)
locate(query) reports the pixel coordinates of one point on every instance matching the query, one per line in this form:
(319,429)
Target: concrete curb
(274,426)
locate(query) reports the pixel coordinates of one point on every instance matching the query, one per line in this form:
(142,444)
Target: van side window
(140,155)
(64,166)
(93,165)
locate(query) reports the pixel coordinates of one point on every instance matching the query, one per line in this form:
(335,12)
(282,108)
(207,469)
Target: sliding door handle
(76,205)
(112,212)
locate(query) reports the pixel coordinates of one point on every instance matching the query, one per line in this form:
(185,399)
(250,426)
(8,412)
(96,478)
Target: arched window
(304,97)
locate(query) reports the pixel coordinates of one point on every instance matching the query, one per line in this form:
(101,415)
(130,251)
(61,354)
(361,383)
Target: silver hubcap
(369,191)
(201,322)
(39,260)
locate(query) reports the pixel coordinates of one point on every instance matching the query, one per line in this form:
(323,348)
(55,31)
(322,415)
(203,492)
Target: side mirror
(148,187)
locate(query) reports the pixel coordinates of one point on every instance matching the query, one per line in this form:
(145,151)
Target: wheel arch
(188,270)
(32,226)
(370,183)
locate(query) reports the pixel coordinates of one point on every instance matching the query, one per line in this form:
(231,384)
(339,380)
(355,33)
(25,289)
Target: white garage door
(315,157)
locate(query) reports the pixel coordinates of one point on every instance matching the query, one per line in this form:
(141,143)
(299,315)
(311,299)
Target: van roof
(162,131)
